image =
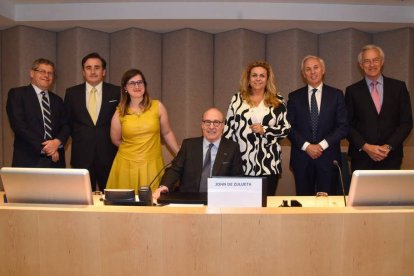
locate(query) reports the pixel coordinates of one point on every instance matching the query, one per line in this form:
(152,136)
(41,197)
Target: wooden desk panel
(127,242)
(344,243)
(116,240)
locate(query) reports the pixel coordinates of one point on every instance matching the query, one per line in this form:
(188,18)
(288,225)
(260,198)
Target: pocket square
(112,101)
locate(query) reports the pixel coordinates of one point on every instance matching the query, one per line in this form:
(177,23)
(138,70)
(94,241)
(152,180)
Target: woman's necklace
(136,110)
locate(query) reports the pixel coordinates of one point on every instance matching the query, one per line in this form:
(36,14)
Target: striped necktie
(47,117)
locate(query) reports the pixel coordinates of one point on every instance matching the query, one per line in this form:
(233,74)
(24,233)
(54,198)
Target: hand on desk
(162,189)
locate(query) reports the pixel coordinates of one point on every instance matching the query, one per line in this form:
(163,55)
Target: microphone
(342,180)
(144,193)
(158,174)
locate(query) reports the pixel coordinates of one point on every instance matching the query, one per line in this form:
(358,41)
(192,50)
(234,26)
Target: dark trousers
(364,162)
(316,177)
(272,181)
(99,174)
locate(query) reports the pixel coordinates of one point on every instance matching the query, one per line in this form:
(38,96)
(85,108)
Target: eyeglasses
(132,84)
(45,73)
(369,61)
(215,123)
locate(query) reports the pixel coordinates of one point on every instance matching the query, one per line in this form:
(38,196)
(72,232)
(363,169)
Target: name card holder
(236,192)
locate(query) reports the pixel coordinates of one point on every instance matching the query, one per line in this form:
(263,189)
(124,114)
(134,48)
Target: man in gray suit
(90,107)
(187,166)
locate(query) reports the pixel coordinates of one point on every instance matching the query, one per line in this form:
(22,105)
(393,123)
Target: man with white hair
(380,115)
(317,114)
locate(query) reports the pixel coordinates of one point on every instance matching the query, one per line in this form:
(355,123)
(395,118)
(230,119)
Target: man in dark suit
(187,166)
(40,129)
(317,114)
(90,107)
(380,116)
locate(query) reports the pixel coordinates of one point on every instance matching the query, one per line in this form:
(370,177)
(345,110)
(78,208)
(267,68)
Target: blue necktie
(205,174)
(314,115)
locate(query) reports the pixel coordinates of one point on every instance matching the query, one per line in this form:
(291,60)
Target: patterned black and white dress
(261,154)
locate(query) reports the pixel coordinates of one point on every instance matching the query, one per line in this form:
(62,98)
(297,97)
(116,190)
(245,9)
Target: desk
(122,240)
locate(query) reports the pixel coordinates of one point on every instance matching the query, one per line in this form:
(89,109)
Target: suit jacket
(332,124)
(26,120)
(391,126)
(187,165)
(88,138)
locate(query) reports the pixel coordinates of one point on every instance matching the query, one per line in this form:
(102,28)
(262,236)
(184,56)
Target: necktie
(314,115)
(206,170)
(375,96)
(47,117)
(92,105)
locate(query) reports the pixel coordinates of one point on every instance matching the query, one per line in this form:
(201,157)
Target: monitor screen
(381,188)
(44,185)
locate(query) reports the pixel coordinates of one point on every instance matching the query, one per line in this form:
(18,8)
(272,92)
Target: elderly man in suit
(380,115)
(90,107)
(317,114)
(37,117)
(219,155)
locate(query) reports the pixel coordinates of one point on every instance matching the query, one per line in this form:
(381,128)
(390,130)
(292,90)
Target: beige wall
(190,70)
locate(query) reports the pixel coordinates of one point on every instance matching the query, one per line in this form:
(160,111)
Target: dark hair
(126,99)
(94,55)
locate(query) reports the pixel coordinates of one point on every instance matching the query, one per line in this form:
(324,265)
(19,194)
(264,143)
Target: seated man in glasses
(202,157)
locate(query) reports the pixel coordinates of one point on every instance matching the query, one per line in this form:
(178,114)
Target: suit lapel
(220,157)
(385,94)
(54,110)
(32,98)
(304,103)
(198,153)
(325,99)
(81,94)
(104,106)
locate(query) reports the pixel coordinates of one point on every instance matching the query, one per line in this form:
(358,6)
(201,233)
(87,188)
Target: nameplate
(235,192)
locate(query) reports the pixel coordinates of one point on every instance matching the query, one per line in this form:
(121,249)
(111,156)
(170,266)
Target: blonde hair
(270,93)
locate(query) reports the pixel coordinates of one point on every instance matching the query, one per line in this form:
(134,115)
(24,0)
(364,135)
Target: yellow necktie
(92,105)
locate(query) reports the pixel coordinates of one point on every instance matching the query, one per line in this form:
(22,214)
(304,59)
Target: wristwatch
(390,148)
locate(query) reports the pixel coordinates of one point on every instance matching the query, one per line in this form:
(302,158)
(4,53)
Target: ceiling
(265,16)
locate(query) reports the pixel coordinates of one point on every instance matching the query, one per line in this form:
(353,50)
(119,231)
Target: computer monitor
(47,186)
(381,188)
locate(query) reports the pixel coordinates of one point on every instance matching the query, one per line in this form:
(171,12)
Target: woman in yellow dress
(136,128)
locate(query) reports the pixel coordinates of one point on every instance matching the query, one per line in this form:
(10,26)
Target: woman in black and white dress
(256,120)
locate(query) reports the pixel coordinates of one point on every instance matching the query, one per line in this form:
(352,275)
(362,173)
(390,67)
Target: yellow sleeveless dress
(139,156)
